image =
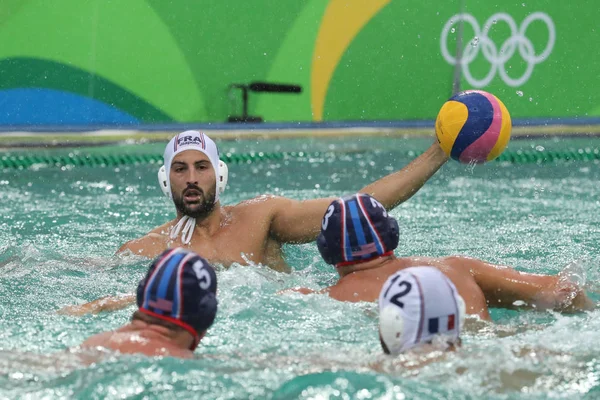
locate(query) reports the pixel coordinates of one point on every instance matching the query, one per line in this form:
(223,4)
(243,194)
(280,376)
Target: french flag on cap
(442,324)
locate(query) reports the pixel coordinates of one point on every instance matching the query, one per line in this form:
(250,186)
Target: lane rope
(24,161)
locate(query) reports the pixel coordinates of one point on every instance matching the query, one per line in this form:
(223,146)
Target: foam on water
(60,230)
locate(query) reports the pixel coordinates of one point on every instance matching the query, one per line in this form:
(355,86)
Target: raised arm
(399,186)
(300,221)
(295,221)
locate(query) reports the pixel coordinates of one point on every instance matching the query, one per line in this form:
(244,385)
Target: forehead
(190,156)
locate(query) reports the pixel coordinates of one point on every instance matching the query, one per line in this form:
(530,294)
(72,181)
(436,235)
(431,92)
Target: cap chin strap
(187,223)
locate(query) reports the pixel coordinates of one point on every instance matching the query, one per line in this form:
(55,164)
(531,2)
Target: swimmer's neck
(367,265)
(160,333)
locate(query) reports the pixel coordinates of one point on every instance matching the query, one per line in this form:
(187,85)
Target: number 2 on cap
(403,292)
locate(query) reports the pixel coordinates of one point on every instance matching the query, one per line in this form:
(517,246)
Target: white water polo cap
(192,140)
(417,304)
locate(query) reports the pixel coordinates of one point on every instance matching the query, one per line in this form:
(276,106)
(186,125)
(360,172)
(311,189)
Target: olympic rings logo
(498,57)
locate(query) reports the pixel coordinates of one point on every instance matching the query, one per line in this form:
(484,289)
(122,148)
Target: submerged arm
(303,290)
(508,288)
(108,303)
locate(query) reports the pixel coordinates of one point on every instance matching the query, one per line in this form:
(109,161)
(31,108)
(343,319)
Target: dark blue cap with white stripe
(356,228)
(180,287)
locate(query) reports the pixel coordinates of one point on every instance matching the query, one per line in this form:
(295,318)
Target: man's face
(193,183)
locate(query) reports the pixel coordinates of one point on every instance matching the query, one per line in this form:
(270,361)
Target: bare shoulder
(265,200)
(149,245)
(266,203)
(417,261)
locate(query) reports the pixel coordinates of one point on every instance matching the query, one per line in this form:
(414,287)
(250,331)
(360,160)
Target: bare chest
(233,243)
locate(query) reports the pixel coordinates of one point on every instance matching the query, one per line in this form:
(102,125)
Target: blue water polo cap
(180,287)
(356,228)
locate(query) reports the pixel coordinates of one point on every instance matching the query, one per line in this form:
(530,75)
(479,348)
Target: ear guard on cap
(223,177)
(207,311)
(326,253)
(162,181)
(221,182)
(391,329)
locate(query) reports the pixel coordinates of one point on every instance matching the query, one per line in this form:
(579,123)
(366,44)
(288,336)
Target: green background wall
(156,61)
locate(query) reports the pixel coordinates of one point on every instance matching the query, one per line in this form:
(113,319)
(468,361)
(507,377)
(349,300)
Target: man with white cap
(359,237)
(251,231)
(419,306)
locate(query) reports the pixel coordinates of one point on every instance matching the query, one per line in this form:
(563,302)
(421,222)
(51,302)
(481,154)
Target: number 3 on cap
(377,204)
(326,217)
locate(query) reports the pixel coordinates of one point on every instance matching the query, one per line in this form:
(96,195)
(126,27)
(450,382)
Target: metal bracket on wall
(257,87)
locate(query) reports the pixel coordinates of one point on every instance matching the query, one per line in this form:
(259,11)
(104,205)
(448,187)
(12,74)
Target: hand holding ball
(473,127)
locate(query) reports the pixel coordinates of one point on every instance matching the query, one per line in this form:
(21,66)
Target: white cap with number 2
(415,305)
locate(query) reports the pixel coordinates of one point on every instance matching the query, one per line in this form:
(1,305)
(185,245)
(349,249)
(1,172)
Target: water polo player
(176,305)
(359,238)
(419,307)
(193,178)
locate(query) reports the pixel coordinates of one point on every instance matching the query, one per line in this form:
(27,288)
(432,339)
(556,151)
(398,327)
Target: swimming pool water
(59,229)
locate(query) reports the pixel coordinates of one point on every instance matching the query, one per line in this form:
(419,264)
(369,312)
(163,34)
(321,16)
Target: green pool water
(60,227)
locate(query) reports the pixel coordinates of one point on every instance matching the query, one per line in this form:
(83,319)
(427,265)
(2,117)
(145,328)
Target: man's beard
(202,209)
